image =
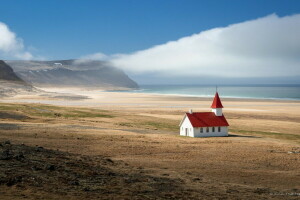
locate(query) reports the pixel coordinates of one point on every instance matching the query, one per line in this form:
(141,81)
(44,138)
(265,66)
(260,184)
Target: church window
(213,129)
(201,130)
(219,129)
(207,129)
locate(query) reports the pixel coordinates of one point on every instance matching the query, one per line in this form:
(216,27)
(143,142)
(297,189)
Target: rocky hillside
(10,83)
(7,73)
(72,73)
(38,173)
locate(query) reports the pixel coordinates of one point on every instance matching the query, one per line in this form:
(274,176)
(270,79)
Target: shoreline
(257,92)
(231,98)
(92,97)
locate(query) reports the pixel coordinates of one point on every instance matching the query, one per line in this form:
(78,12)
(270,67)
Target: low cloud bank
(12,46)
(264,47)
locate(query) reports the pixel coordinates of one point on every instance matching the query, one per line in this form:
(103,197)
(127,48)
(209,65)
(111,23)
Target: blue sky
(64,29)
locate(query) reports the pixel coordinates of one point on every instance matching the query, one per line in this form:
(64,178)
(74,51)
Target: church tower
(217,106)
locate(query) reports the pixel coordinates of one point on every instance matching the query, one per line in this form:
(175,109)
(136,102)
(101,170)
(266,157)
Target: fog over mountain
(259,51)
(264,50)
(72,73)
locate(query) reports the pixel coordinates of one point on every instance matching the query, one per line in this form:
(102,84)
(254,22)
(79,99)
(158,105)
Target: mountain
(8,74)
(72,73)
(11,84)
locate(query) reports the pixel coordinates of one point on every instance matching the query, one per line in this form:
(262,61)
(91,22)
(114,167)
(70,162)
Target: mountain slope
(72,73)
(7,73)
(11,84)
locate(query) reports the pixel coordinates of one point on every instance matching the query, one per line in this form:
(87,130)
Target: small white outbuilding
(205,124)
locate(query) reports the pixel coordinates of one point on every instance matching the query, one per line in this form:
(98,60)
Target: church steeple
(217,105)
(217,102)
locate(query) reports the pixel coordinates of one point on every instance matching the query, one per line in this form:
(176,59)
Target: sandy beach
(281,116)
(259,159)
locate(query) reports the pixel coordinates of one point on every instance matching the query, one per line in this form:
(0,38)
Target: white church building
(205,124)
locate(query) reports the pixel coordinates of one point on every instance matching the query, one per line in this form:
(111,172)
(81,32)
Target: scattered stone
(20,156)
(14,180)
(6,155)
(111,174)
(39,149)
(57,114)
(7,142)
(261,190)
(73,183)
(196,179)
(109,160)
(50,167)
(231,191)
(35,168)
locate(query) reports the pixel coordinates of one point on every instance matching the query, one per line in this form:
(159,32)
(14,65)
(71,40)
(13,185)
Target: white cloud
(11,45)
(264,47)
(96,56)
(91,57)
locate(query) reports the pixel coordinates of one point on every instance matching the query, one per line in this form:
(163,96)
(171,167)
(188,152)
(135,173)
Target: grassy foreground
(128,154)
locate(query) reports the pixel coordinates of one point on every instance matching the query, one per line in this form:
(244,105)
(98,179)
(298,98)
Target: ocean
(283,92)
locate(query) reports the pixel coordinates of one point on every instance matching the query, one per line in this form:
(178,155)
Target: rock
(50,167)
(262,190)
(14,180)
(35,168)
(7,142)
(73,183)
(196,179)
(111,174)
(109,160)
(6,155)
(231,191)
(57,114)
(19,156)
(39,149)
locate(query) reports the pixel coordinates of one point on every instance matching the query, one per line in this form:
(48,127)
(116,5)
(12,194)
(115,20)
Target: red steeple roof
(217,102)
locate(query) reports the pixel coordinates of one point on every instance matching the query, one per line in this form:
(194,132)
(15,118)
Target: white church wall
(216,133)
(186,128)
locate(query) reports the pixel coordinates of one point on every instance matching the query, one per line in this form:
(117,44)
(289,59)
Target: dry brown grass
(260,157)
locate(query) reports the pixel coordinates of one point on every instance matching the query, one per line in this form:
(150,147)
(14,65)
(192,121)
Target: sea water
(288,92)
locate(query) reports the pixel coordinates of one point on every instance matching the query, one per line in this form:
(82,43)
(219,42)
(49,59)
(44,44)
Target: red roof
(217,102)
(206,119)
